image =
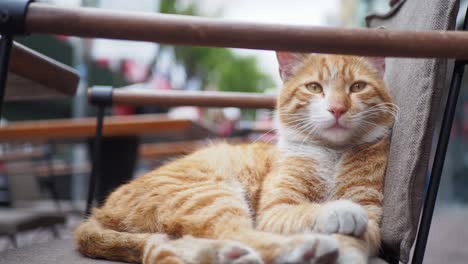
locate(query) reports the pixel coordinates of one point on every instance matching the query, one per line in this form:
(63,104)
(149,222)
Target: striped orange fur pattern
(314,197)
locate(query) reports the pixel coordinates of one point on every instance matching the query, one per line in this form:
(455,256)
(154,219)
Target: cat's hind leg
(191,250)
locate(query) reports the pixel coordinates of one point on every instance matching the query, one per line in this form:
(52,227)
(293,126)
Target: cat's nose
(337,111)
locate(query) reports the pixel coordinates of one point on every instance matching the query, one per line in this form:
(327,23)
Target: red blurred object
(104,63)
(62,37)
(123,110)
(160,81)
(134,72)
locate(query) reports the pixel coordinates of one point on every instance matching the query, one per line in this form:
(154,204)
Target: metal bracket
(13,16)
(100,97)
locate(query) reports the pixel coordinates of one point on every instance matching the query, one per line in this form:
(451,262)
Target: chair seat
(16,220)
(54,252)
(63,251)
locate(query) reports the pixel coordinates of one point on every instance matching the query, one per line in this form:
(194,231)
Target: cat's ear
(378,63)
(288,61)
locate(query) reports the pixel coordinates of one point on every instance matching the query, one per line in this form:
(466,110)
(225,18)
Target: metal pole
(95,170)
(6,43)
(441,151)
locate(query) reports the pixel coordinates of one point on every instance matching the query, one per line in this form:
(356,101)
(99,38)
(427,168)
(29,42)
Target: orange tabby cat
(315,197)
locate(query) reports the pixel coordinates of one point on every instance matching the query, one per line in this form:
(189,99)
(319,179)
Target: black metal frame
(101,97)
(12,17)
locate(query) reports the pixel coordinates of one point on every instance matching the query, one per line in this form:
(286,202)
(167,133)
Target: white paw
(342,217)
(313,249)
(236,253)
(351,256)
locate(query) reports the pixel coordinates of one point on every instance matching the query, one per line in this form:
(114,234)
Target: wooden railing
(177,29)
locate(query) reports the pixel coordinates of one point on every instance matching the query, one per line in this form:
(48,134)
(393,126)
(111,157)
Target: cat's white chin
(337,134)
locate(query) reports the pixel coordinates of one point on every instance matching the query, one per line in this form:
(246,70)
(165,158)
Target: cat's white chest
(326,167)
(325,163)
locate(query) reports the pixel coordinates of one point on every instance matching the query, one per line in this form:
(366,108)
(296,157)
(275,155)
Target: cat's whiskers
(273,129)
(377,110)
(389,107)
(370,124)
(295,124)
(381,128)
(263,135)
(312,128)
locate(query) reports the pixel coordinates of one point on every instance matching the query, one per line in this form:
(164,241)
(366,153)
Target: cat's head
(333,99)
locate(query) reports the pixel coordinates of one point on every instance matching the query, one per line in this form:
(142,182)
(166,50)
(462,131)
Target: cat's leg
(286,208)
(286,205)
(305,217)
(191,250)
(360,183)
(355,209)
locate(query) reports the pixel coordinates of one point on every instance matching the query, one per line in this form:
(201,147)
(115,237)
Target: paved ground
(448,240)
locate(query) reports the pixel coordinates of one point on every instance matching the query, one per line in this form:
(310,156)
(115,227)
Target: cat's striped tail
(96,241)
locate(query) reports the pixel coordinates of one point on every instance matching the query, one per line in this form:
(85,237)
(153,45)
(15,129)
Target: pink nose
(337,111)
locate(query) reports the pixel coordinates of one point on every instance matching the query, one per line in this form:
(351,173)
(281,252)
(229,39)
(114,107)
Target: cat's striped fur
(315,197)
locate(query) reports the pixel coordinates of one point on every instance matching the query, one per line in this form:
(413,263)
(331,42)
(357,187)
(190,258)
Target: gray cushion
(416,85)
(55,252)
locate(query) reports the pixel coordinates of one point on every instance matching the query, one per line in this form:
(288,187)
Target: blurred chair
(24,192)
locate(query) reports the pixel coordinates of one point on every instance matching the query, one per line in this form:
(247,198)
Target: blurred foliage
(219,66)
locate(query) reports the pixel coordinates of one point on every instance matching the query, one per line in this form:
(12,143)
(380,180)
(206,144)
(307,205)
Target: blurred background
(118,64)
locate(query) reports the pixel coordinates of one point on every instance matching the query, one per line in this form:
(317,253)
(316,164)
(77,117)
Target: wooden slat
(35,76)
(86,127)
(176,29)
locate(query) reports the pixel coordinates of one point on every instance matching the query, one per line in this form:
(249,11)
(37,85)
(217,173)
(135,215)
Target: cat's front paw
(350,255)
(342,217)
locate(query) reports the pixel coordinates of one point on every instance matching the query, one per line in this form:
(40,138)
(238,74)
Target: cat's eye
(314,87)
(357,87)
